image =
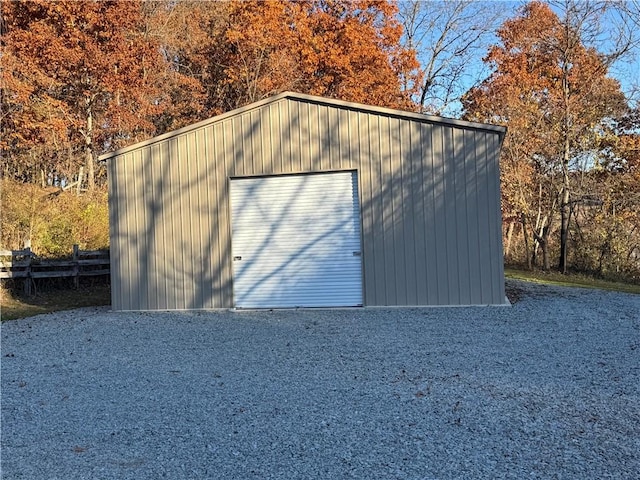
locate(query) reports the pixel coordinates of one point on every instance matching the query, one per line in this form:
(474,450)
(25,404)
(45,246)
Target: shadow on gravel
(514,292)
(519,290)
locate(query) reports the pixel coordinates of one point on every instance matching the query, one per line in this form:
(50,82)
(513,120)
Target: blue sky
(626,70)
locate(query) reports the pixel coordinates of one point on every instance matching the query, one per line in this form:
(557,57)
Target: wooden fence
(24,264)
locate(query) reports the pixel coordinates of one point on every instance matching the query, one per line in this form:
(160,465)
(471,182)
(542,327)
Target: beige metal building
(303,201)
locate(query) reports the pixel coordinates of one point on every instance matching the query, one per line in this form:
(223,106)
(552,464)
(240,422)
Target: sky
(626,70)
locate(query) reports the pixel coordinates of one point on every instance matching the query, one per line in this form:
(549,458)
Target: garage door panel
(279,252)
(296,241)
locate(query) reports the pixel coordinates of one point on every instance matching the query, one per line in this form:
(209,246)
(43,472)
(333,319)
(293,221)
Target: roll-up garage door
(296,241)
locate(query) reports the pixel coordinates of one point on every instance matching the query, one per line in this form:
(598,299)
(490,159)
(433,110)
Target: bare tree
(450,38)
(606,27)
(626,15)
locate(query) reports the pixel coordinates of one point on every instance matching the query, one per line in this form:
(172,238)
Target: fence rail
(24,264)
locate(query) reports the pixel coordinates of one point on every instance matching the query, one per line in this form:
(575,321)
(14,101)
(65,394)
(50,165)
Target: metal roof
(420,117)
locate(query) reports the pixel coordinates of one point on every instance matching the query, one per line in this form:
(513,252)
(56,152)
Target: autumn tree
(614,229)
(83,77)
(245,51)
(580,21)
(79,77)
(184,32)
(553,92)
(354,53)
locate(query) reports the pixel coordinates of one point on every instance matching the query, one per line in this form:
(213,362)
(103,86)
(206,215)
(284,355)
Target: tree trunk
(533,260)
(542,239)
(526,239)
(565,216)
(88,138)
(509,235)
(79,185)
(546,265)
(565,212)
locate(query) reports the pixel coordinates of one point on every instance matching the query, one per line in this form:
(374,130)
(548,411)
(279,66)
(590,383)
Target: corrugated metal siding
(429,196)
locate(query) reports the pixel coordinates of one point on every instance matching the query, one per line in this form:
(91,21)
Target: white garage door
(296,241)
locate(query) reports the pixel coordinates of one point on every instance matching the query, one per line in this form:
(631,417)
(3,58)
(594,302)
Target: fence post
(26,285)
(76,267)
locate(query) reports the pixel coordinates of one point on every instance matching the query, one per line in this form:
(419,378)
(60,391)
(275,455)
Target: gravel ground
(549,388)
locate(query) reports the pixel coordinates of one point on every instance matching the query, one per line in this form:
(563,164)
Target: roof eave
(312,99)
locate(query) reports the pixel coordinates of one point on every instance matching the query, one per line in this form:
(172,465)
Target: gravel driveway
(548,388)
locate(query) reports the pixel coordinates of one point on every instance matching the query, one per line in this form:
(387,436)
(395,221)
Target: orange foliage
(553,93)
(246,51)
(80,74)
(82,77)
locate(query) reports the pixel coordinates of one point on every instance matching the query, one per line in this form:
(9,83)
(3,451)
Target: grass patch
(15,306)
(570,280)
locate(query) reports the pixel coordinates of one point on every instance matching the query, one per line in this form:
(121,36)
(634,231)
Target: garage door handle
(356,254)
(237,258)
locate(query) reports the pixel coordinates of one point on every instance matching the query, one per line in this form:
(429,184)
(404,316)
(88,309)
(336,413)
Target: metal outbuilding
(304,201)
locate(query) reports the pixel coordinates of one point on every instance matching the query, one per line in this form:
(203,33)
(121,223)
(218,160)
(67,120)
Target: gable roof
(420,117)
